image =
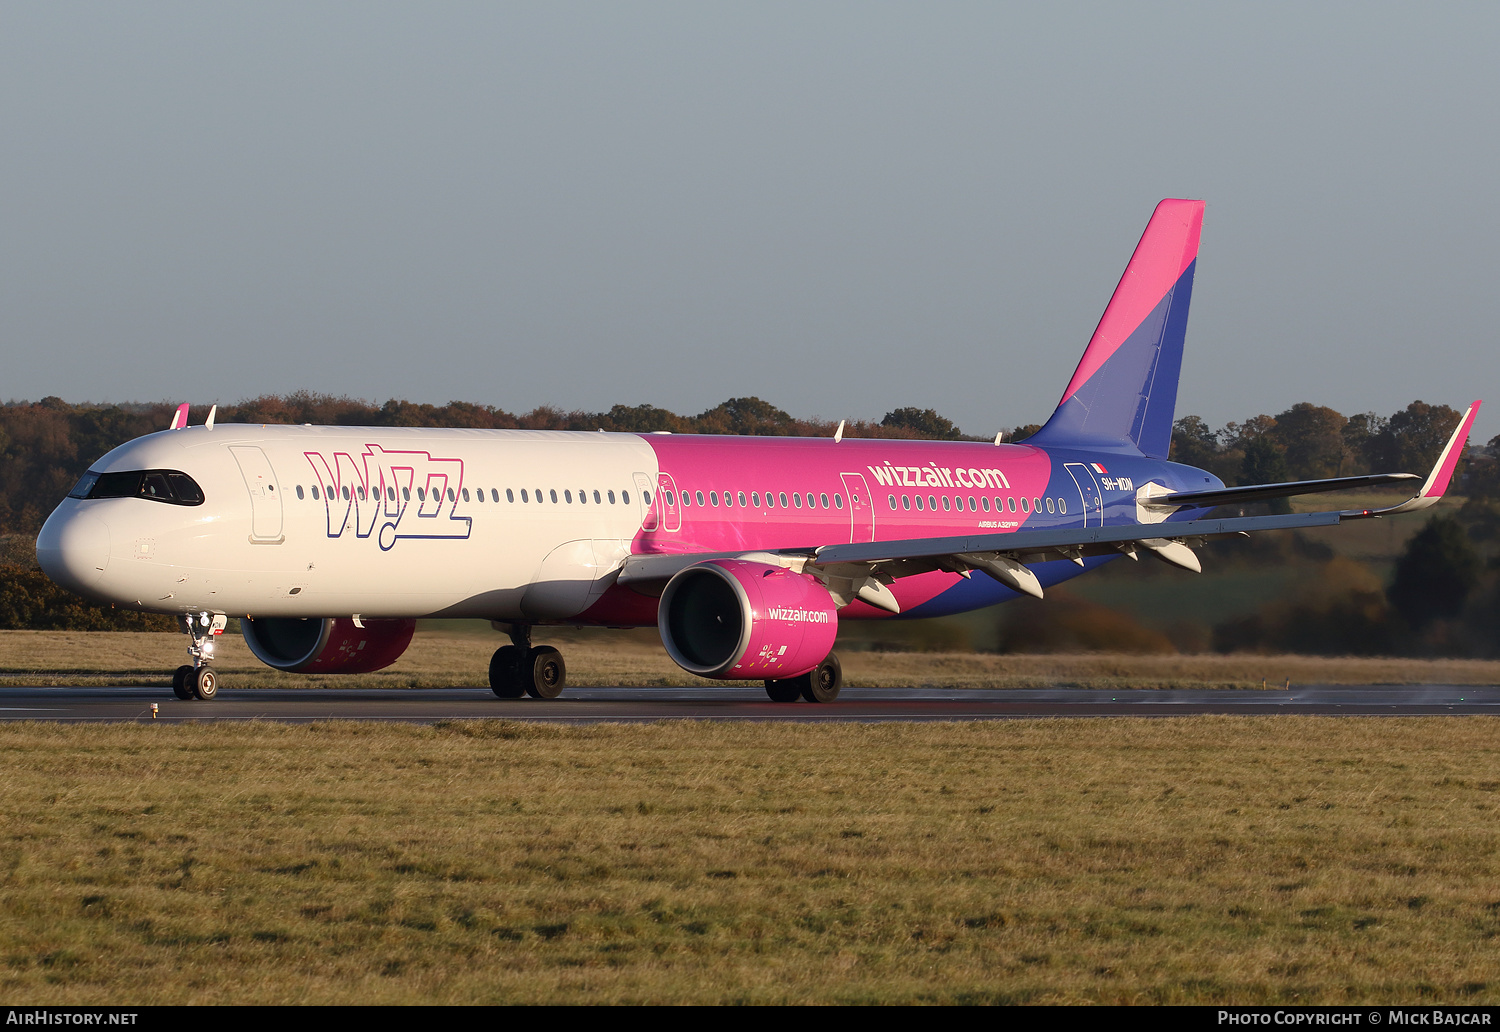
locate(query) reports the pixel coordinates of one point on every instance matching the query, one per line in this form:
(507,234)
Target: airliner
(329,543)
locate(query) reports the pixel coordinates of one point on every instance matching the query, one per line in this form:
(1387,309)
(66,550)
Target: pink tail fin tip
(1165,250)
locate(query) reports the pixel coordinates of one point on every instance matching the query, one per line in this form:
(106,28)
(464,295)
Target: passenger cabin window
(158,485)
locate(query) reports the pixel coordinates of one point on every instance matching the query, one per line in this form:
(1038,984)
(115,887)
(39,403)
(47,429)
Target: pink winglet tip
(1437,483)
(180,420)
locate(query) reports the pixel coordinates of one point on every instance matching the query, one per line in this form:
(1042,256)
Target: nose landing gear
(197,680)
(521,669)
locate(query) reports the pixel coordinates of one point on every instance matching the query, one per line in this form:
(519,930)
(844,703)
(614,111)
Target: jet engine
(329,646)
(743,620)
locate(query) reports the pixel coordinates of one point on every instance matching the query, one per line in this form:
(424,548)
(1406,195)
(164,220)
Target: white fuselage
(404,532)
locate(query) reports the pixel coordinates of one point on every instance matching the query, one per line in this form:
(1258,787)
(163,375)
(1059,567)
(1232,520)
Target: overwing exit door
(666,503)
(861,508)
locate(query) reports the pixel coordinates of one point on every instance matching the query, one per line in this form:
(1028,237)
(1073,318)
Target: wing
(865,570)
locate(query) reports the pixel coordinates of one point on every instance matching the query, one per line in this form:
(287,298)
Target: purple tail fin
(1123,394)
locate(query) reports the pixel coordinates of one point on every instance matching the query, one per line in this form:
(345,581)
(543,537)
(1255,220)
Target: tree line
(46,445)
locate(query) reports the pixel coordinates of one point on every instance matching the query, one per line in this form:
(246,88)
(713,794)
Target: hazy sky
(841,208)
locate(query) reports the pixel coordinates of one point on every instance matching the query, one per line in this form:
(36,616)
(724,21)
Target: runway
(602,704)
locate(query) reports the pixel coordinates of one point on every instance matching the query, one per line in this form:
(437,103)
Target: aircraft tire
(784,691)
(505,672)
(205,683)
(823,682)
(545,674)
(180,682)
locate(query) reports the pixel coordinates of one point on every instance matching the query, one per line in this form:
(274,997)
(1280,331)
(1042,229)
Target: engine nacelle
(742,620)
(329,646)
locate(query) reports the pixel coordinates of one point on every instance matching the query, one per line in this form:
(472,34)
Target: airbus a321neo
(746,552)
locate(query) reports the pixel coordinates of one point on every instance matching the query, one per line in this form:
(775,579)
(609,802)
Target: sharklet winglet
(1436,484)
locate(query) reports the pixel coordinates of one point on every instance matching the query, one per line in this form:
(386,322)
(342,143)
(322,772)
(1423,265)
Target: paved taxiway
(589,705)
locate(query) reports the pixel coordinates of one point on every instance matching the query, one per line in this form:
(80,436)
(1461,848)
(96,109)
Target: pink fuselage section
(743,494)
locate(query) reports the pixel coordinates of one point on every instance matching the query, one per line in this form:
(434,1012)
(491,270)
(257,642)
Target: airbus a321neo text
(746,552)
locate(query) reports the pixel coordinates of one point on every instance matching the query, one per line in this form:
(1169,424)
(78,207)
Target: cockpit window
(159,485)
(185,490)
(85,485)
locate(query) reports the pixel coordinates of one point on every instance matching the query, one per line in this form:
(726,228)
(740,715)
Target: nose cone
(73,548)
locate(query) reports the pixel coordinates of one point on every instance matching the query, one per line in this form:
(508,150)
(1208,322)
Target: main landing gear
(521,669)
(198,680)
(820,684)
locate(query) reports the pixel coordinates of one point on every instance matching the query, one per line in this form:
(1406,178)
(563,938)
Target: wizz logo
(391,494)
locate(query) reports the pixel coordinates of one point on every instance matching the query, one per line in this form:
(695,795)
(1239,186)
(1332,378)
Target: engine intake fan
(742,620)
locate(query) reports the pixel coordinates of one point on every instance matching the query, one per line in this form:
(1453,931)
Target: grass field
(1205,859)
(450,655)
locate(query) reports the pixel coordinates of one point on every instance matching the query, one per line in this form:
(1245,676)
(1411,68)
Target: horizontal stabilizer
(1261,492)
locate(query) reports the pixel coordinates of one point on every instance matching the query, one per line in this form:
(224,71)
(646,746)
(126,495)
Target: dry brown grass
(1205,859)
(447,658)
